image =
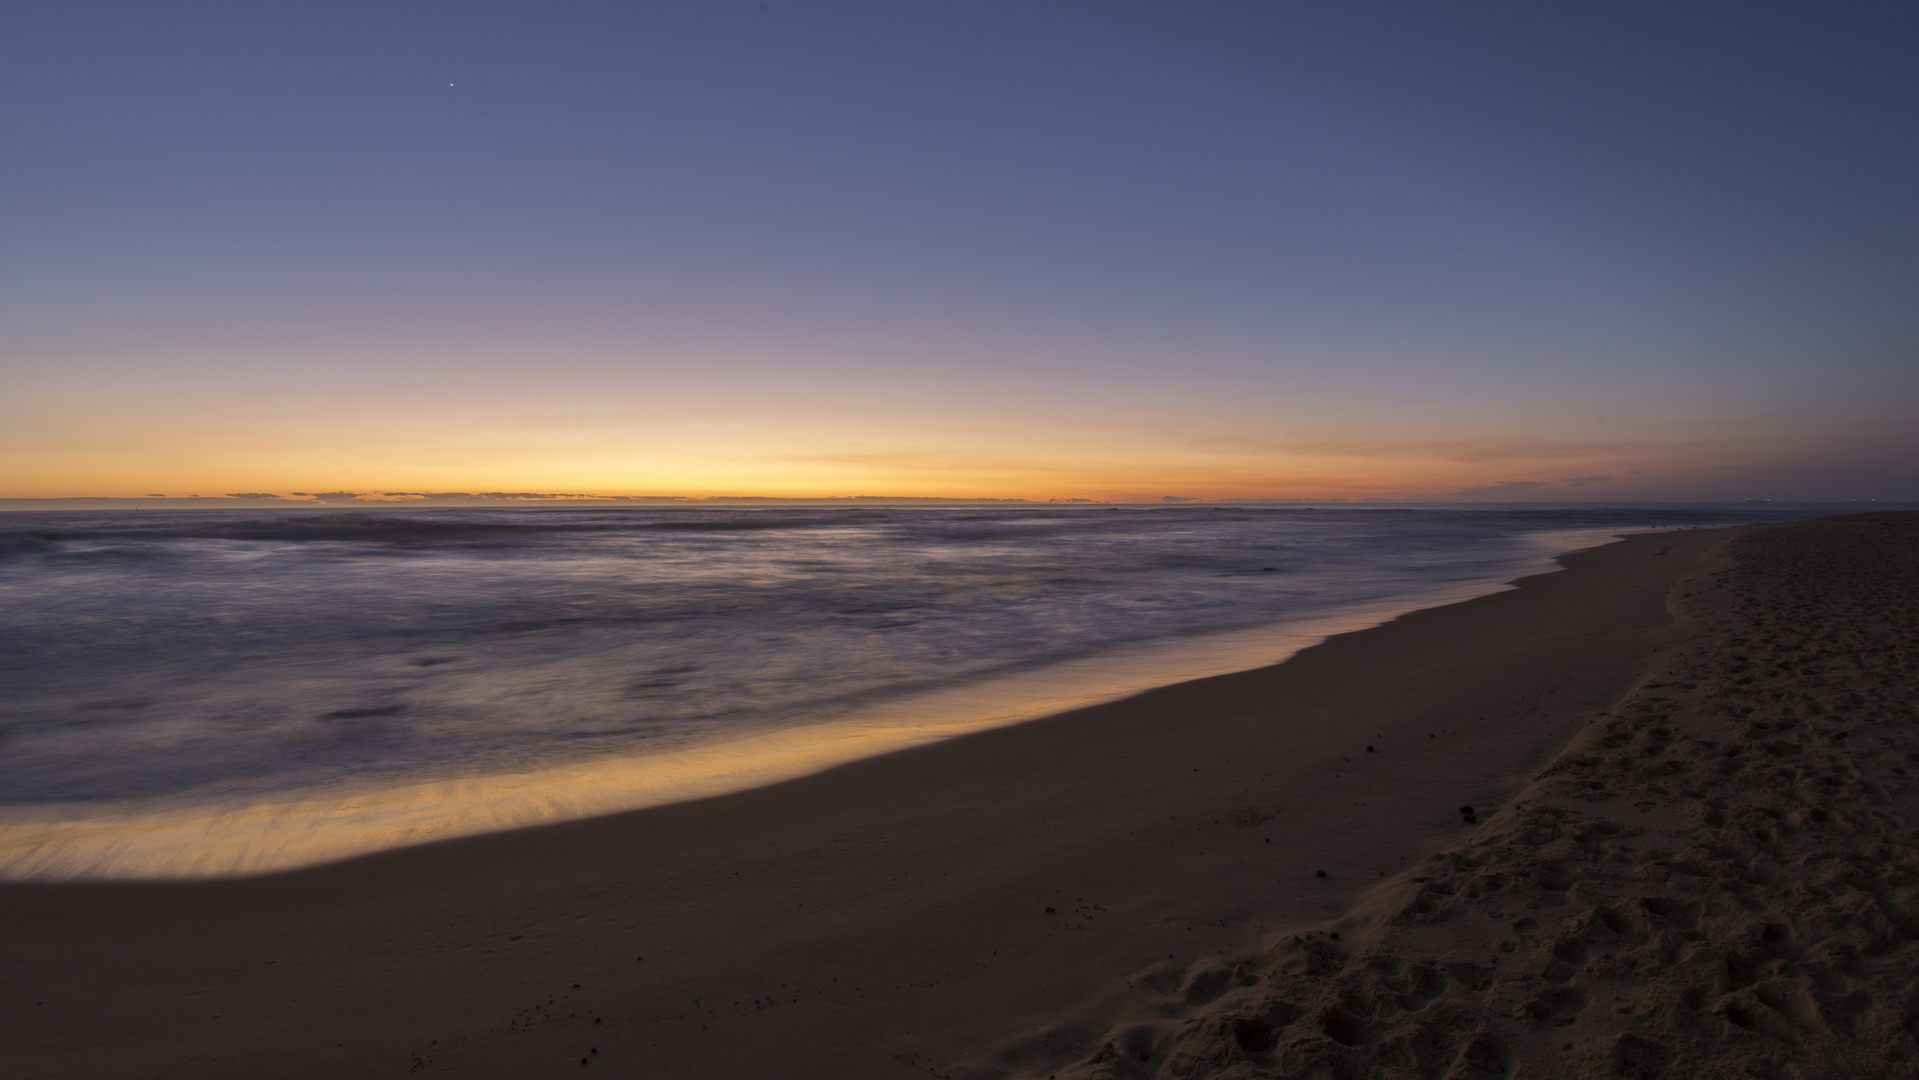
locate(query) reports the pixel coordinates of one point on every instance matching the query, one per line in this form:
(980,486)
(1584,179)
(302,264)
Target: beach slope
(1720,879)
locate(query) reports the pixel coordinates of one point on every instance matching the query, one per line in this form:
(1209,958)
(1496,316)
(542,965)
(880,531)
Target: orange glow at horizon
(374,418)
(801,462)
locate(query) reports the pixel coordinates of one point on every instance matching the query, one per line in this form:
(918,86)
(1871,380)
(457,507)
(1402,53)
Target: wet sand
(1088,894)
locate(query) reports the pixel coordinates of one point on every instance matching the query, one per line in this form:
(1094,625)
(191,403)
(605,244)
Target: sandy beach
(1691,851)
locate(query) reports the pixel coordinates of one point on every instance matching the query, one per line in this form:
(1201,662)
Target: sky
(1020,250)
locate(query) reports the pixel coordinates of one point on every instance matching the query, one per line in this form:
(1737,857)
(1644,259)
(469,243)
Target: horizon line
(536,500)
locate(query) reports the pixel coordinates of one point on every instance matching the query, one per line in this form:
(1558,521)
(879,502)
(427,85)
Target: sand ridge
(1719,879)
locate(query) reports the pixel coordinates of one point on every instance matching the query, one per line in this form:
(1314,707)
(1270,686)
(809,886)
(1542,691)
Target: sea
(193,693)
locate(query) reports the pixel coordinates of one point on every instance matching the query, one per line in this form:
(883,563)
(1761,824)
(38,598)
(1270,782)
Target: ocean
(205,692)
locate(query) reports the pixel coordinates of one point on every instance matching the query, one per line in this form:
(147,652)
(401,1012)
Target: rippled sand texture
(1719,879)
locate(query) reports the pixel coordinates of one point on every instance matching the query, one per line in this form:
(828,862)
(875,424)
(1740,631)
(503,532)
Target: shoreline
(166,838)
(924,906)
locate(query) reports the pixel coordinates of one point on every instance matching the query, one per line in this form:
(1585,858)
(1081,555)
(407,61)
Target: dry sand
(1135,889)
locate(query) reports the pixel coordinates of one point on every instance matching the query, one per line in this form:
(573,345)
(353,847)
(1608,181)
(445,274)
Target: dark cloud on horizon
(1502,489)
(388,498)
(391,497)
